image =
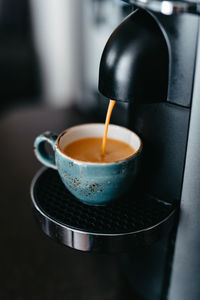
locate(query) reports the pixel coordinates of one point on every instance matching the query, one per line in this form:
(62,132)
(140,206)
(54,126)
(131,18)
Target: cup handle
(40,151)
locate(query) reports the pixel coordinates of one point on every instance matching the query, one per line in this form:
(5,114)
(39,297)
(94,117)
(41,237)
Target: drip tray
(120,226)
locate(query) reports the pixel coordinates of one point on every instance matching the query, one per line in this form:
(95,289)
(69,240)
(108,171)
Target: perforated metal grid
(128,214)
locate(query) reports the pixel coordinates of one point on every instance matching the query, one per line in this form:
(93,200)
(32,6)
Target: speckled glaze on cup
(92,183)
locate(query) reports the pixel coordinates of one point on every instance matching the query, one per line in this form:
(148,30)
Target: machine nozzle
(134,63)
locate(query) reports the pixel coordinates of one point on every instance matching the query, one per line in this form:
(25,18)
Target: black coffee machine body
(152,61)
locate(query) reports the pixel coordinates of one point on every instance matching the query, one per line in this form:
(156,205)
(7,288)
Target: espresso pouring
(100,150)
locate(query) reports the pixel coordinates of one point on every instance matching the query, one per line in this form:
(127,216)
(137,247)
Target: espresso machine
(152,62)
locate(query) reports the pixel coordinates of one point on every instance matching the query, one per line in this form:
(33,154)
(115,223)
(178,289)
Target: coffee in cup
(92,182)
(89,150)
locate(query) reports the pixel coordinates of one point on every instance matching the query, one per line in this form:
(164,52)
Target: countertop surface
(32,265)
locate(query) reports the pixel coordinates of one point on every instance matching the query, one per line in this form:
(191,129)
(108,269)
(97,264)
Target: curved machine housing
(134,64)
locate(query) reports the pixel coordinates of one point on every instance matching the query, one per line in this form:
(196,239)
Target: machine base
(120,226)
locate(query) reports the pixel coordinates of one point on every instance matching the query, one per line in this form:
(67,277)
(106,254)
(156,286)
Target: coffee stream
(108,115)
(95,149)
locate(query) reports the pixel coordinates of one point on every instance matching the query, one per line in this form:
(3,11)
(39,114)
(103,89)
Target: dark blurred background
(50,52)
(49,58)
(19,67)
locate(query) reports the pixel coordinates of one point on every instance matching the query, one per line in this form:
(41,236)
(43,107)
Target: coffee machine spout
(135,61)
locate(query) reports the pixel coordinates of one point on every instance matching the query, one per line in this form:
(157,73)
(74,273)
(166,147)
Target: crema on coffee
(89,150)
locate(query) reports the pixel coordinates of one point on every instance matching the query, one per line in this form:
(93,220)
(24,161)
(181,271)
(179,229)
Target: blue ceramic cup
(92,183)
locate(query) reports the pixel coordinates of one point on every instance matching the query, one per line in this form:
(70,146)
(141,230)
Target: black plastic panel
(163,128)
(181,33)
